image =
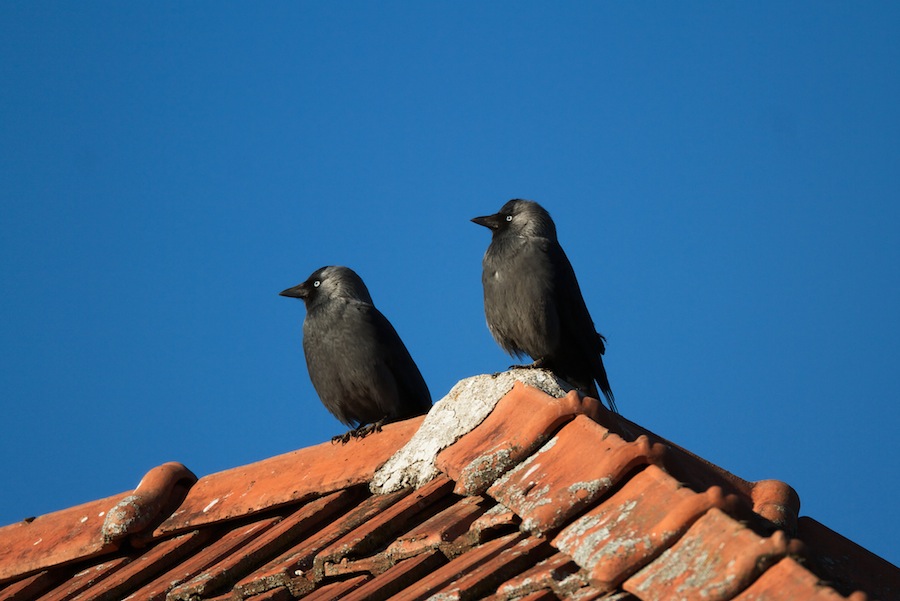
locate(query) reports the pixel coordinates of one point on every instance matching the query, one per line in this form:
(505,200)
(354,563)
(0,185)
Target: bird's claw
(537,364)
(341,438)
(361,432)
(366,429)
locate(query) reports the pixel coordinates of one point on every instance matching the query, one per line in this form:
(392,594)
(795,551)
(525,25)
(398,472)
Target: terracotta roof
(503,492)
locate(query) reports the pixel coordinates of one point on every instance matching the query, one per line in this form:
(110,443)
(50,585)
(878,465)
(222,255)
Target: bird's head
(330,282)
(520,218)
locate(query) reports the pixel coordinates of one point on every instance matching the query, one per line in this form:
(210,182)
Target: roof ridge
(511,468)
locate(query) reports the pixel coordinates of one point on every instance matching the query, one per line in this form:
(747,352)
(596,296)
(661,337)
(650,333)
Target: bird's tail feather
(606,390)
(610,398)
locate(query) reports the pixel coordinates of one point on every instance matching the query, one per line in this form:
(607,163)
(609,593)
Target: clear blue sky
(725,179)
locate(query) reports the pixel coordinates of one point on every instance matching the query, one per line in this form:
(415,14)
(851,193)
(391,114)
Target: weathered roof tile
(159,493)
(787,580)
(398,577)
(458,567)
(336,590)
(543,498)
(278,594)
(379,530)
(85,579)
(484,579)
(145,566)
(295,567)
(570,472)
(522,421)
(274,540)
(294,476)
(557,573)
(33,545)
(715,559)
(440,530)
(31,587)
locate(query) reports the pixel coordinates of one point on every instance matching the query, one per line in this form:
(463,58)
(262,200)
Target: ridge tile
(570,472)
(633,526)
(295,476)
(523,420)
(715,559)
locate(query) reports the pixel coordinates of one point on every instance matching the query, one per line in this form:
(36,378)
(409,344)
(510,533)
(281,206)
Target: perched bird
(357,363)
(532,300)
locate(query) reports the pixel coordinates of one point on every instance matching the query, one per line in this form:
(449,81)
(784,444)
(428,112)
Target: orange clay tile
(777,502)
(714,560)
(571,471)
(398,577)
(294,567)
(558,572)
(544,595)
(632,527)
(205,565)
(383,527)
(787,580)
(140,569)
(293,476)
(156,496)
(30,587)
(91,528)
(459,566)
(55,538)
(336,590)
(484,579)
(278,594)
(590,594)
(221,547)
(261,549)
(85,579)
(613,509)
(522,421)
(496,519)
(347,509)
(439,530)
(773,500)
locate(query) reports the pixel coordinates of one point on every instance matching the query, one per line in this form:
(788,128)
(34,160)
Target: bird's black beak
(488,221)
(298,291)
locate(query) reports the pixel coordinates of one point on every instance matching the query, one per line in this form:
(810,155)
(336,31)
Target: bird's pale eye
(317,283)
(509,217)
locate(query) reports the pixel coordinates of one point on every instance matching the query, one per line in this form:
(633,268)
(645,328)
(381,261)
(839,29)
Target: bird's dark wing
(575,316)
(414,397)
(582,346)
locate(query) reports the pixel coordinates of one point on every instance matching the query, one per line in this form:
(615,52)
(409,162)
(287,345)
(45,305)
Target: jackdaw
(532,300)
(357,363)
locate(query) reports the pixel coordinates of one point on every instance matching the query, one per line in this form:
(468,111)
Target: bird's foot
(536,364)
(361,432)
(366,429)
(342,438)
